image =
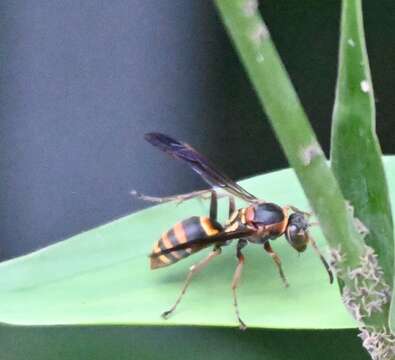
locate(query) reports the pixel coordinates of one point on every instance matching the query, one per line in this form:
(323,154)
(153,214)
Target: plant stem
(280,101)
(358,267)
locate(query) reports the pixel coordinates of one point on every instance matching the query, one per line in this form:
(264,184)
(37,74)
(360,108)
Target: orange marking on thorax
(232,227)
(243,216)
(234,216)
(285,221)
(249,214)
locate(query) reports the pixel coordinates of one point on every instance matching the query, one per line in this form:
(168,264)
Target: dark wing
(198,163)
(206,241)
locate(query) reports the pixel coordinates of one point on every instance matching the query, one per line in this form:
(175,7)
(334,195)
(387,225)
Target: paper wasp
(257,223)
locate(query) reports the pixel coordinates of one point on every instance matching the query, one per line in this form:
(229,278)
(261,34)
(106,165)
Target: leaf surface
(102,276)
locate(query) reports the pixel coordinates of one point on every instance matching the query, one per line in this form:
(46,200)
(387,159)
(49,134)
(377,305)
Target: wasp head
(296,233)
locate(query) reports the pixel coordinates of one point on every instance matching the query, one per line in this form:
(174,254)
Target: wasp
(258,223)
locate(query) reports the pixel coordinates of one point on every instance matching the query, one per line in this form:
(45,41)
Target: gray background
(82,81)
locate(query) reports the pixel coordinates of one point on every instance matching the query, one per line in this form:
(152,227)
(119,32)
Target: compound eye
(291,232)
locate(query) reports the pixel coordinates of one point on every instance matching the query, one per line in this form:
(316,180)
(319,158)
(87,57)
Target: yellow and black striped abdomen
(193,232)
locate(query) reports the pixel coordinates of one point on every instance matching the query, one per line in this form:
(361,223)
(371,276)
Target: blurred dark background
(82,81)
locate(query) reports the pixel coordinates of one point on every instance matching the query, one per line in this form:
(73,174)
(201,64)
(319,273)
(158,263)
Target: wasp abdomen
(193,232)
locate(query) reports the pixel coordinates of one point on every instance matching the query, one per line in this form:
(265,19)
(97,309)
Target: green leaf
(176,343)
(99,285)
(355,151)
(102,276)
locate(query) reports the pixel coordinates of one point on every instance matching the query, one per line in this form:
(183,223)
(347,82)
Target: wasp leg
(232,214)
(213,205)
(178,198)
(232,206)
(236,278)
(192,271)
(277,261)
(318,252)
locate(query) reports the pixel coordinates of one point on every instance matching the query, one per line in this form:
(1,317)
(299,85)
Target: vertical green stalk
(356,157)
(280,101)
(365,294)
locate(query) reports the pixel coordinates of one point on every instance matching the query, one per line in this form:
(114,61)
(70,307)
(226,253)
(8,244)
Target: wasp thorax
(296,233)
(267,214)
